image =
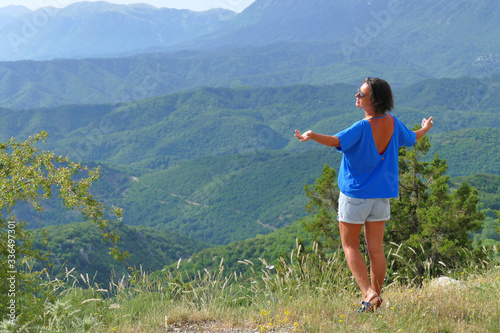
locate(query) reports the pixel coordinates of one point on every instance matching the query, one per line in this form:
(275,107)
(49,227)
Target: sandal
(369,306)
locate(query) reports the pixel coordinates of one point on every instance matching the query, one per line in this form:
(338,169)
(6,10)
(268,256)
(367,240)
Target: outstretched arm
(426,126)
(327,140)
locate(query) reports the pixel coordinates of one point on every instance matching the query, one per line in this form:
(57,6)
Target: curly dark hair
(381,95)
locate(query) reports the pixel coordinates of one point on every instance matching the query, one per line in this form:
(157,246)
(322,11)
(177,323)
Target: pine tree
(428,233)
(323,201)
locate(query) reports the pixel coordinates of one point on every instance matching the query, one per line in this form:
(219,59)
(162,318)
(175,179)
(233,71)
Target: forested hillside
(81,246)
(254,252)
(462,149)
(30,84)
(220,200)
(160,132)
(222,165)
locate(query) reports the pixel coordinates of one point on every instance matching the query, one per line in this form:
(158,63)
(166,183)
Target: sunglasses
(361,95)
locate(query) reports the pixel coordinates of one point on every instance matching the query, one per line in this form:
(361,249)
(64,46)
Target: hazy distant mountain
(361,21)
(11,13)
(461,32)
(93,29)
(271,43)
(467,29)
(269,21)
(14,11)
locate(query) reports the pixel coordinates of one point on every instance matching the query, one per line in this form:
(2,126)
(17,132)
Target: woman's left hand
(303,137)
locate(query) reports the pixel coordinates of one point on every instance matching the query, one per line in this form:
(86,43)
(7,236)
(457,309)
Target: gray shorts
(359,211)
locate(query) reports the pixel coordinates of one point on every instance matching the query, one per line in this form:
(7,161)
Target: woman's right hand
(426,126)
(427,123)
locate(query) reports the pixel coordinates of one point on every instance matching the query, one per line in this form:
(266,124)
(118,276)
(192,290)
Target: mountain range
(96,29)
(93,29)
(132,52)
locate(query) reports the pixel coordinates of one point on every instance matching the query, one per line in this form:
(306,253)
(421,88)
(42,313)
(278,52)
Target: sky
(196,5)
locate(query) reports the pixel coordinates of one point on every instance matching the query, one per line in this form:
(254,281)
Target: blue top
(364,172)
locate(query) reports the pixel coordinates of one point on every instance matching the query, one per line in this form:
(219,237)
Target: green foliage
(488,186)
(251,120)
(498,214)
(29,175)
(135,78)
(323,201)
(428,222)
(109,188)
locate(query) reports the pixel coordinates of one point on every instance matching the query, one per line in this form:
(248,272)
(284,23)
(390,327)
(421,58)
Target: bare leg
(374,232)
(349,233)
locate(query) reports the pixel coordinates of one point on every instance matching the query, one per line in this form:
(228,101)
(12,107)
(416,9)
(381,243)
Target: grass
(298,295)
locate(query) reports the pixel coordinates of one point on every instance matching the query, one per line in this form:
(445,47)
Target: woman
(368,177)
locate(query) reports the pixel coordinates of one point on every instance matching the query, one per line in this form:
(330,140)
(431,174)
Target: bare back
(382,130)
